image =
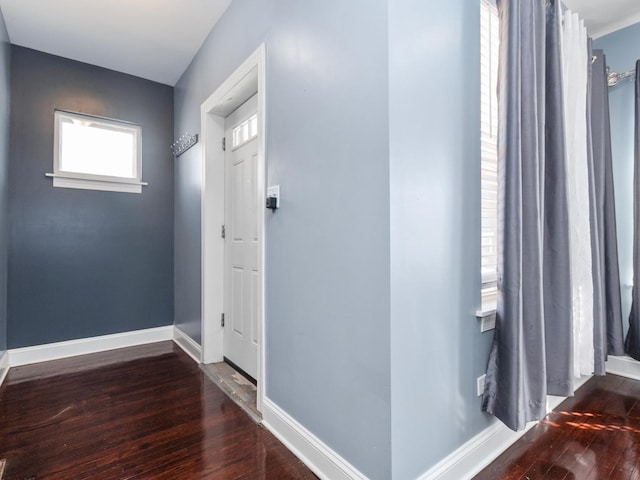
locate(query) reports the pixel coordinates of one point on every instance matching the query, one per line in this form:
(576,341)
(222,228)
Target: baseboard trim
(623,366)
(477,453)
(188,344)
(4,368)
(469,459)
(315,454)
(83,346)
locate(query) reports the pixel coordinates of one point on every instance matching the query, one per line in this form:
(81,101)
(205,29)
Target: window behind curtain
(489,42)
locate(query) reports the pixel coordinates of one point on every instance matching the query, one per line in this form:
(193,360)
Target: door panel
(237,299)
(242,245)
(255,292)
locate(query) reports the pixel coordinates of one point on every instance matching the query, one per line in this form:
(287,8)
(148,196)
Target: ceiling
(153,39)
(157,39)
(605,16)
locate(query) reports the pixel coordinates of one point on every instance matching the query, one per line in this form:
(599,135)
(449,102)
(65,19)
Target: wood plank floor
(137,413)
(592,436)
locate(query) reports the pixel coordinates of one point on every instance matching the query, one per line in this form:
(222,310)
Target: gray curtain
(531,354)
(632,342)
(607,318)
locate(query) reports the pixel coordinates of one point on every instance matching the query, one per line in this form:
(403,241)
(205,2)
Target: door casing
(247,80)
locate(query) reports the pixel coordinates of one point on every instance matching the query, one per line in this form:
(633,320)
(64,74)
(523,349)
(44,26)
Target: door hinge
(223,232)
(222,320)
(224,144)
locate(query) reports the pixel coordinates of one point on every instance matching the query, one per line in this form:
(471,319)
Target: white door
(242,243)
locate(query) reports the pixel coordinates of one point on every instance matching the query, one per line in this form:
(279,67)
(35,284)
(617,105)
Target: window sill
(487,319)
(63,181)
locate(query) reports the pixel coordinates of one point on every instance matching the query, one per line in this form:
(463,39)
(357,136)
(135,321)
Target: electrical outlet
(480,384)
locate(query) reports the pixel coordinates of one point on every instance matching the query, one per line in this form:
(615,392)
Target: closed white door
(242,240)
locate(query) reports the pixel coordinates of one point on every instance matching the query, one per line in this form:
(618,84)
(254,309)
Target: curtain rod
(613,78)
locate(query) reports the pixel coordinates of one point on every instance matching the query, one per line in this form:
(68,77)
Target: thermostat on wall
(273,197)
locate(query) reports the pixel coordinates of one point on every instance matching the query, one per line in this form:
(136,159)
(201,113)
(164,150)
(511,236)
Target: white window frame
(86,181)
(248,121)
(489,44)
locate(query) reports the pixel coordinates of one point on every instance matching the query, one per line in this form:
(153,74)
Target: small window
(96,153)
(246,131)
(489,50)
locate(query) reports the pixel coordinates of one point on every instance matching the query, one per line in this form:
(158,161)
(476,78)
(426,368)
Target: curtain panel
(559,309)
(608,331)
(531,355)
(632,342)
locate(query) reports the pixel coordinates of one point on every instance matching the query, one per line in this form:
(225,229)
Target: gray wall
(213,64)
(372,342)
(622,49)
(327,248)
(85,263)
(5,95)
(327,256)
(437,349)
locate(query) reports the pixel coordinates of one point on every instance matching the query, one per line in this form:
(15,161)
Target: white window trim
(85,181)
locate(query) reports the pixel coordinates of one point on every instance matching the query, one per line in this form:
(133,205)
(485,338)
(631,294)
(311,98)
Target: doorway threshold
(236,386)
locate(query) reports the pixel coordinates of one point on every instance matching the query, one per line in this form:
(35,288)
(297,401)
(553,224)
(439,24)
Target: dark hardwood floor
(592,436)
(137,413)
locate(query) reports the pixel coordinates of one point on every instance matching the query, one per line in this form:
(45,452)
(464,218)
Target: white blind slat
(489,43)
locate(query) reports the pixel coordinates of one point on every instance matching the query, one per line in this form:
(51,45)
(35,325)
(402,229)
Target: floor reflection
(594,435)
(142,413)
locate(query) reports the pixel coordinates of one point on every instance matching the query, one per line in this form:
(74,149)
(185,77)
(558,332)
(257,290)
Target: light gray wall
(437,349)
(5,95)
(372,341)
(327,248)
(622,49)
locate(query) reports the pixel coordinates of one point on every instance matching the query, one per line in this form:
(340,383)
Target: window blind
(489,48)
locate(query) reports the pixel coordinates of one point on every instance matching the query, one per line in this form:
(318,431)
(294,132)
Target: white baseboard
(323,461)
(623,366)
(4,368)
(477,453)
(188,344)
(469,459)
(83,346)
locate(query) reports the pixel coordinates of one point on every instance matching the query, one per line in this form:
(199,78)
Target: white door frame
(248,79)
